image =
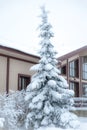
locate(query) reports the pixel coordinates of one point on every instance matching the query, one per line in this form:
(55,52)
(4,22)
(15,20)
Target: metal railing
(80,102)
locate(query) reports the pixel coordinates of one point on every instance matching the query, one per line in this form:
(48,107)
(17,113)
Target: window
(63,70)
(74,68)
(84,67)
(23,81)
(75,87)
(84,87)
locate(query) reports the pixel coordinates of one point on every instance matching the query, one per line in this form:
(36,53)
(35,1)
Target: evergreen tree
(48,95)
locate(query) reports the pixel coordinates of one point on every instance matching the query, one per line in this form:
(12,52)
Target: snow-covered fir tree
(48,95)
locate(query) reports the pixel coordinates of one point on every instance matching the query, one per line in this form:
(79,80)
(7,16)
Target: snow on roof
(16,50)
(70,54)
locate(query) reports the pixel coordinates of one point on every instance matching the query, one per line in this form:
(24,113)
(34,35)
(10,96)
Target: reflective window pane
(74,68)
(84,87)
(84,67)
(23,81)
(75,87)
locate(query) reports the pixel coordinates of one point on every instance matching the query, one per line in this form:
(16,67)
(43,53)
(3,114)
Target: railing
(80,102)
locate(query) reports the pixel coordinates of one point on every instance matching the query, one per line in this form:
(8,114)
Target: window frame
(61,69)
(76,93)
(83,69)
(74,68)
(24,76)
(83,94)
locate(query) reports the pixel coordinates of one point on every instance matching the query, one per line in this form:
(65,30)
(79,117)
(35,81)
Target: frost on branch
(48,96)
(12,110)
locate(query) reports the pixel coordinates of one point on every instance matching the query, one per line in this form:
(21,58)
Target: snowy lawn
(83,126)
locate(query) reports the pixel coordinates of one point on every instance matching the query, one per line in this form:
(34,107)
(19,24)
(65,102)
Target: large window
(84,67)
(75,87)
(84,87)
(23,81)
(74,68)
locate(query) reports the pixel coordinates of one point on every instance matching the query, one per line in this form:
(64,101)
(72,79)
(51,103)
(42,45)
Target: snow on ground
(83,123)
(83,126)
(53,128)
(2,120)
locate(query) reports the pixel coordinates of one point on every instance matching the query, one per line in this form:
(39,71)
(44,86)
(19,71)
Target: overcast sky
(19,21)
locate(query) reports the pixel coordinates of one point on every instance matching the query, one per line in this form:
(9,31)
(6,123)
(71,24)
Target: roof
(68,55)
(17,51)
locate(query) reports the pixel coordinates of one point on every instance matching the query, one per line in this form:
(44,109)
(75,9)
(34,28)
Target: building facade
(73,67)
(15,67)
(15,71)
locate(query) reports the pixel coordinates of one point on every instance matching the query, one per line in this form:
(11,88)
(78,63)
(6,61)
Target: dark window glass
(23,81)
(63,70)
(74,68)
(75,87)
(84,67)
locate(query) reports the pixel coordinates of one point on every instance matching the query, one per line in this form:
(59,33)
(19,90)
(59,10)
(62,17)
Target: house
(73,67)
(15,71)
(15,67)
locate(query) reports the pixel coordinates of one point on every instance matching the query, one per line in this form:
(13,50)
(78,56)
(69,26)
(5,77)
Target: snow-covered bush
(69,120)
(48,96)
(13,109)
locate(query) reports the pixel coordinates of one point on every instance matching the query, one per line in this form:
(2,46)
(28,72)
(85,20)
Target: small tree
(48,96)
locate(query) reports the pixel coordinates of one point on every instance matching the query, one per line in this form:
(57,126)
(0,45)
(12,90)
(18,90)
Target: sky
(19,20)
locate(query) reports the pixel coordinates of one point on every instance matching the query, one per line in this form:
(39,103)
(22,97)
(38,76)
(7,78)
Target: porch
(80,106)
